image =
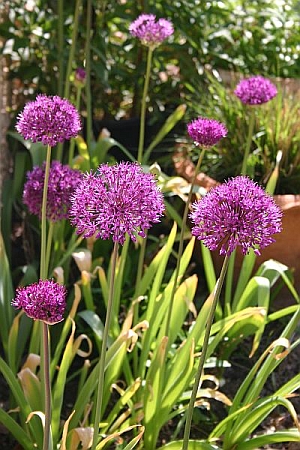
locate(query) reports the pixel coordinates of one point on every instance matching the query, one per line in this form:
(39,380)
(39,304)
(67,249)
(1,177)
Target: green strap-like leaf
(17,432)
(270,438)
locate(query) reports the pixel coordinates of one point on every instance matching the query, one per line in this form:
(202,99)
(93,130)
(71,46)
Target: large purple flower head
(151,32)
(62,183)
(236,213)
(255,90)
(206,132)
(44,300)
(116,200)
(49,120)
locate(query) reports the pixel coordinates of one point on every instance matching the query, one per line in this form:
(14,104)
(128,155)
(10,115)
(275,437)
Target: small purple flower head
(151,32)
(206,132)
(255,90)
(62,183)
(44,300)
(236,213)
(116,200)
(80,76)
(49,120)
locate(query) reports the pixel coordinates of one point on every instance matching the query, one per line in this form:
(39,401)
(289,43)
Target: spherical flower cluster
(151,32)
(255,90)
(49,120)
(116,200)
(236,213)
(44,300)
(206,132)
(61,184)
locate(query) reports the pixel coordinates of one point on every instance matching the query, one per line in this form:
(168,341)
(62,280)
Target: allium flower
(255,90)
(206,132)
(62,183)
(236,213)
(150,32)
(80,76)
(49,120)
(44,300)
(116,200)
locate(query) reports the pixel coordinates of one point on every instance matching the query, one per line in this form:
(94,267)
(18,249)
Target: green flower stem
(196,386)
(43,268)
(49,244)
(140,266)
(101,366)
(72,143)
(89,127)
(143,107)
(248,142)
(60,42)
(47,444)
(70,62)
(45,351)
(136,294)
(181,240)
(72,48)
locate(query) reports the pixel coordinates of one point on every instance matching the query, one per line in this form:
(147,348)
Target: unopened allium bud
(80,77)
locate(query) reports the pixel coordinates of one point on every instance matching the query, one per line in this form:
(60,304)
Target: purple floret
(49,120)
(236,213)
(116,200)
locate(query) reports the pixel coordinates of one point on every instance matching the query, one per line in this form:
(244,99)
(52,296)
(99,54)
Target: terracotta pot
(286,249)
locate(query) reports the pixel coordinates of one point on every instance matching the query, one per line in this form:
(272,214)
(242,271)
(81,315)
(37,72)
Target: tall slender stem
(140,266)
(143,107)
(181,240)
(69,65)
(89,127)
(49,244)
(72,47)
(196,386)
(45,352)
(101,367)
(43,269)
(60,35)
(72,143)
(47,385)
(248,142)
(136,294)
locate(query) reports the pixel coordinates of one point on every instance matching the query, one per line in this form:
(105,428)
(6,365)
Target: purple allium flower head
(44,300)
(49,120)
(62,183)
(236,213)
(206,132)
(116,200)
(151,32)
(255,90)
